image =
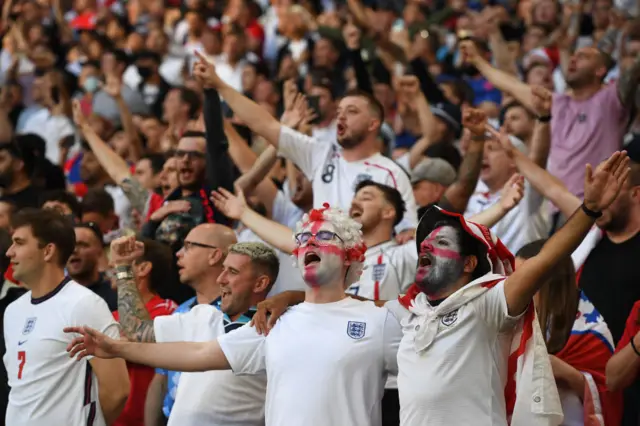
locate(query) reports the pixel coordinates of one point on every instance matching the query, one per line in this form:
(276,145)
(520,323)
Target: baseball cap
(450,114)
(434,170)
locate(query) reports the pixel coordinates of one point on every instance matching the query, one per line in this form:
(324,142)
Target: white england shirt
(526,222)
(460,378)
(326,363)
(390,269)
(47,386)
(214,398)
(334,179)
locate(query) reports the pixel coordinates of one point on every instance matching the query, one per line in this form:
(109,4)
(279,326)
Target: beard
(351,141)
(441,276)
(6,179)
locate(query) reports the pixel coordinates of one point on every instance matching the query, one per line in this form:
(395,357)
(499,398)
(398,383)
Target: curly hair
(348,230)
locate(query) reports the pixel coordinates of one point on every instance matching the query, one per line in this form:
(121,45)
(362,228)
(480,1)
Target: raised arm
(542,181)
(500,79)
(600,190)
(269,231)
(627,84)
(512,193)
(541,138)
(134,317)
(180,356)
(257,118)
(113,88)
(456,197)
(410,85)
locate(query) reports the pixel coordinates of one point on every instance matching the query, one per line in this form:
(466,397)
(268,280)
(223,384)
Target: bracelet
(544,118)
(633,345)
(590,213)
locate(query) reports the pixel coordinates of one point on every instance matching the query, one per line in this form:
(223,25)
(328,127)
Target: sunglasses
(320,236)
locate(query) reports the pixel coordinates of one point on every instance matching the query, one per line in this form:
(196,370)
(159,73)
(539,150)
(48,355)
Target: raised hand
(502,137)
(293,116)
(542,100)
(512,192)
(232,206)
(475,120)
(125,250)
(602,186)
(91,342)
(205,73)
(469,50)
(410,86)
(78,116)
(289,93)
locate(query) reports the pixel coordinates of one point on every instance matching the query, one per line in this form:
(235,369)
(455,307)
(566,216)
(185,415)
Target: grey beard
(442,276)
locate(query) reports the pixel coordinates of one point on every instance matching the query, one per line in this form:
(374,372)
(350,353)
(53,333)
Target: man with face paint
(326,360)
(461,294)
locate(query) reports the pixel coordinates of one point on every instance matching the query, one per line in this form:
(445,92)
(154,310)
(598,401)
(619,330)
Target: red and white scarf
(531,394)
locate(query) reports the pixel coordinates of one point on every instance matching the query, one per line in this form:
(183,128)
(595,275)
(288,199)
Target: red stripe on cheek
(325,249)
(449,254)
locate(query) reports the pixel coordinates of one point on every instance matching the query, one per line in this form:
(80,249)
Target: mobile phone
(314,104)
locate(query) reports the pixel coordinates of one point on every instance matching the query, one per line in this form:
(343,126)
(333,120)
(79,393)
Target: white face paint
(321,257)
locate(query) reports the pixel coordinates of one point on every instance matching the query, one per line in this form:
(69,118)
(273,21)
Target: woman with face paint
(326,360)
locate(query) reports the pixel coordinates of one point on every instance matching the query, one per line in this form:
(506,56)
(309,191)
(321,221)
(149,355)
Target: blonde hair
(263,258)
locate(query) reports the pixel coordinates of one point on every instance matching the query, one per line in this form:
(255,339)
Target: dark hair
(163,275)
(156,160)
(98,201)
(5,243)
(27,156)
(558,299)
(120,56)
(374,105)
(514,104)
(391,195)
(191,98)
(94,228)
(48,227)
(65,198)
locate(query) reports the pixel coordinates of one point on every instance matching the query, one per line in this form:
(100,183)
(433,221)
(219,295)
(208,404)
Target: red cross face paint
(440,262)
(321,255)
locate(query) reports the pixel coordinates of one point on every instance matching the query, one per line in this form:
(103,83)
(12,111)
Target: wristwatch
(124,272)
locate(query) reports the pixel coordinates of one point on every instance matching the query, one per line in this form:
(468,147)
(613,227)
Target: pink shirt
(584,132)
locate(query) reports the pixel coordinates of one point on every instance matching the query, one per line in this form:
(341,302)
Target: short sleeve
(305,152)
(579,255)
(92,311)
(162,371)
(404,162)
(406,259)
(631,328)
(245,350)
(179,327)
(284,211)
(492,307)
(392,337)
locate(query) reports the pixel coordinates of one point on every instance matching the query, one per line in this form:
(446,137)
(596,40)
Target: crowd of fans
(205,126)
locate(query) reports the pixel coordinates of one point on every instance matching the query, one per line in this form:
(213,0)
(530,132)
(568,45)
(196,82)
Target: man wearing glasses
(327,359)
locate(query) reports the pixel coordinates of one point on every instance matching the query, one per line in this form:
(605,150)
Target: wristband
(590,213)
(633,345)
(544,118)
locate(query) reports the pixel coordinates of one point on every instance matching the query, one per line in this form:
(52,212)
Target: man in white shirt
(228,286)
(47,387)
(326,360)
(334,169)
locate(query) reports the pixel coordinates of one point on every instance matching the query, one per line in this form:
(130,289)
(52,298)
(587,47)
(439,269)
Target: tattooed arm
(134,318)
(457,195)
(628,83)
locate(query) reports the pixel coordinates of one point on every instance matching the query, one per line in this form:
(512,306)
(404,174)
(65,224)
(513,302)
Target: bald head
(216,235)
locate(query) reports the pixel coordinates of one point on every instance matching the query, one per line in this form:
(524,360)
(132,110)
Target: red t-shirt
(140,376)
(631,329)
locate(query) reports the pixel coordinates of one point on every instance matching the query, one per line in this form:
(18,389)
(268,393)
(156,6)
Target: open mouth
(224,293)
(311,259)
(74,261)
(424,261)
(355,214)
(341,129)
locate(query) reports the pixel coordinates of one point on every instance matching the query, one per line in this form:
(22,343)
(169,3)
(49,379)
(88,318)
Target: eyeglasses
(187,245)
(320,236)
(180,153)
